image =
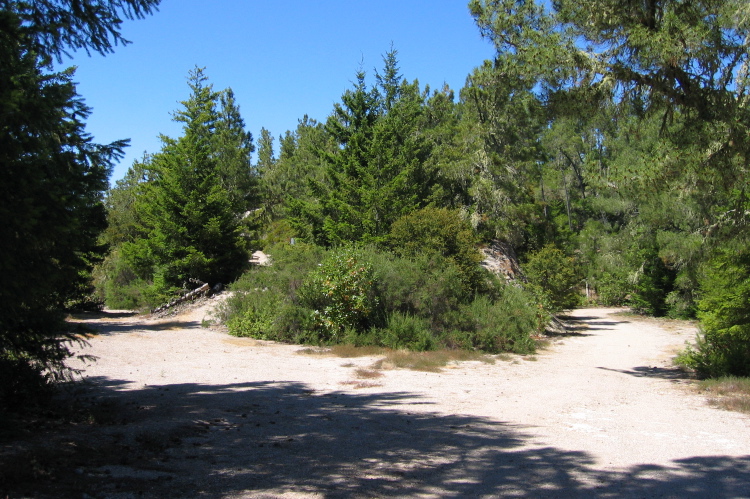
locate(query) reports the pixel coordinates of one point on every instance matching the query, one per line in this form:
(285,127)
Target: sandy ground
(600,412)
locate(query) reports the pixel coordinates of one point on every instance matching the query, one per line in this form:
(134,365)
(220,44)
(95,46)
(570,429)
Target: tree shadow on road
(275,437)
(669,373)
(578,325)
(113,323)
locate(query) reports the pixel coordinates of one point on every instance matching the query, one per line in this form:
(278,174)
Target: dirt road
(599,413)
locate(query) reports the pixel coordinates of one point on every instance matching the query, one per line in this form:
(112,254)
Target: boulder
(500,259)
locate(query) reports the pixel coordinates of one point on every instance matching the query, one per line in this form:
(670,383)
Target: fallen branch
(192,295)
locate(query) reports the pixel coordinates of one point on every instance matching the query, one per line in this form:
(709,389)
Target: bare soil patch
(179,410)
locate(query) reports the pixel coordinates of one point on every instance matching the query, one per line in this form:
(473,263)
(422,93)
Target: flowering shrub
(341,293)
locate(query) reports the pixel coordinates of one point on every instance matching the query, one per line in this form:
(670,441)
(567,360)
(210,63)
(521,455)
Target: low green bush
(264,303)
(119,285)
(723,346)
(442,232)
(409,332)
(368,297)
(341,294)
(428,285)
(503,325)
(254,313)
(553,277)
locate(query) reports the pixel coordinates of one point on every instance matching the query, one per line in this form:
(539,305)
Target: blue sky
(283,59)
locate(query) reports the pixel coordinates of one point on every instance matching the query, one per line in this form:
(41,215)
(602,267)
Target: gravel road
(600,412)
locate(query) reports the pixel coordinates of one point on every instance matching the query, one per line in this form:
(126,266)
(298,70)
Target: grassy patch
(730,393)
(314,351)
(432,361)
(351,351)
(344,351)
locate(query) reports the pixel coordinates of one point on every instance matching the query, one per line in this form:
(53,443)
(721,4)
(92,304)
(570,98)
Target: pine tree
(266,156)
(52,176)
(287,181)
(378,172)
(351,125)
(233,147)
(194,232)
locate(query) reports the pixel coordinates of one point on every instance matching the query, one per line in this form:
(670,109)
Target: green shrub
(363,296)
(651,285)
(553,277)
(723,347)
(498,326)
(405,331)
(120,286)
(254,314)
(341,294)
(443,232)
(426,285)
(265,302)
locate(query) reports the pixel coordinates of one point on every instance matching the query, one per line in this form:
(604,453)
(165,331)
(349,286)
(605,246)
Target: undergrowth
(363,296)
(731,393)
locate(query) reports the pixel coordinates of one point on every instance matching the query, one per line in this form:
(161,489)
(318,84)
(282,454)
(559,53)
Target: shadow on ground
(669,373)
(269,438)
(579,325)
(111,323)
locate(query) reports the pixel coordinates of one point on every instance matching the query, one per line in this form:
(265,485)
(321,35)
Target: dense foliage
(606,142)
(366,296)
(52,178)
(177,215)
(649,130)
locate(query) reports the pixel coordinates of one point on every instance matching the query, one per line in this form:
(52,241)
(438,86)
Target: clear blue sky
(283,59)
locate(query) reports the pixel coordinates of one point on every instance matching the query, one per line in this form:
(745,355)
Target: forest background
(606,143)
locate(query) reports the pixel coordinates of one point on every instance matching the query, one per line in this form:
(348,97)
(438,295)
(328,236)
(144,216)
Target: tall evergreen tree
(193,230)
(266,155)
(286,182)
(52,176)
(378,172)
(505,150)
(351,124)
(233,146)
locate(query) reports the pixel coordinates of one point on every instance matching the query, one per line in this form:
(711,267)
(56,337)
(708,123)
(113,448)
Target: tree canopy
(52,180)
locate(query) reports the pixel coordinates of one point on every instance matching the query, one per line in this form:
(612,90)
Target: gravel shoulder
(599,412)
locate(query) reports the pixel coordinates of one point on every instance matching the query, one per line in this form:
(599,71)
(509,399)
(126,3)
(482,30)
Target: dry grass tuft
(428,361)
(343,351)
(361,384)
(314,351)
(730,393)
(351,351)
(431,361)
(367,373)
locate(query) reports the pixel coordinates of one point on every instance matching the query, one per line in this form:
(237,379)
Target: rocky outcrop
(260,258)
(500,259)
